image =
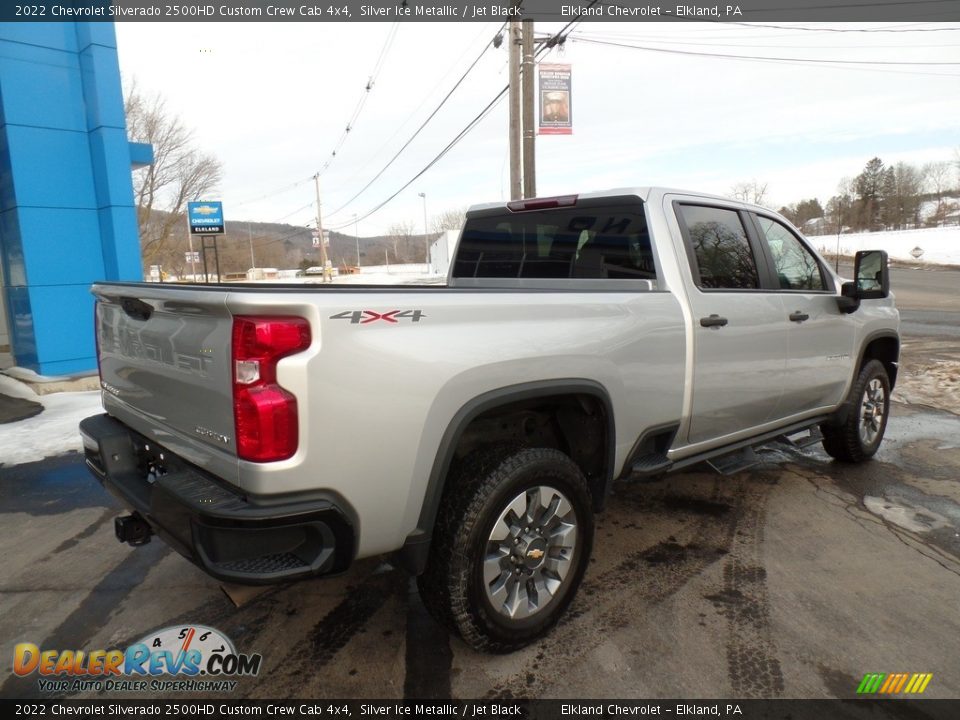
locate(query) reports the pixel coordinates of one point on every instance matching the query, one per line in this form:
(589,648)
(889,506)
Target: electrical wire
(546,47)
(285,188)
(462,134)
(402,126)
(830,61)
(803,28)
(371,81)
(416,133)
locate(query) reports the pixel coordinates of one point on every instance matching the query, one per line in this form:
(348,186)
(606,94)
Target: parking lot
(791,579)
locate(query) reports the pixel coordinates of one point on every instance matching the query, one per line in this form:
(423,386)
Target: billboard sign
(556,107)
(206,217)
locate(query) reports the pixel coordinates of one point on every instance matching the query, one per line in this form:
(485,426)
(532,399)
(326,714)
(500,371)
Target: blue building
(67,215)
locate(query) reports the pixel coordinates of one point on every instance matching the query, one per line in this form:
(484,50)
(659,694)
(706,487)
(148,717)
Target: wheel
(510,547)
(858,437)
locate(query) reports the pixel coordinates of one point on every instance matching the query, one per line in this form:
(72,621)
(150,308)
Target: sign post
(206,220)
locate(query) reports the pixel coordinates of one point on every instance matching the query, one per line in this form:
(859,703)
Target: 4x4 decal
(364,317)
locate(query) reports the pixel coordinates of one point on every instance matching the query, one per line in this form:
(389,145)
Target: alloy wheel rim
(529,552)
(872,409)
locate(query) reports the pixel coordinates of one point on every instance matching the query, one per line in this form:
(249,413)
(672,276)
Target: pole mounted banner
(556,106)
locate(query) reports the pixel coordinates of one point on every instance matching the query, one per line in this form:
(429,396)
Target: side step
(734,462)
(802,438)
(650,465)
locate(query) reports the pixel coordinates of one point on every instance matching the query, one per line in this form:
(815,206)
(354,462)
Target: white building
(442,251)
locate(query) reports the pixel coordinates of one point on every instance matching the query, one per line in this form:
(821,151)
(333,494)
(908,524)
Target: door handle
(713,321)
(798,317)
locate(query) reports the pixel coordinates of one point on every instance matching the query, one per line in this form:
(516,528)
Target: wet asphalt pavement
(790,579)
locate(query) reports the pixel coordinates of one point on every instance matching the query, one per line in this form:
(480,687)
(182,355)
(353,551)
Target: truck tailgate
(165,365)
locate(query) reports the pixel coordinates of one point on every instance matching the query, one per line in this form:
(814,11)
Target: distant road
(929,301)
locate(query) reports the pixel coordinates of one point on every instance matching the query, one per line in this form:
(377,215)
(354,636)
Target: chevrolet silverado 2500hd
(270,433)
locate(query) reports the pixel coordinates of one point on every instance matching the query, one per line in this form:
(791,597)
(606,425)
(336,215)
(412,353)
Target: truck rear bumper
(232,537)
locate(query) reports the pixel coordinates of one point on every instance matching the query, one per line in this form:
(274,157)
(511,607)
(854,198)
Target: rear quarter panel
(377,397)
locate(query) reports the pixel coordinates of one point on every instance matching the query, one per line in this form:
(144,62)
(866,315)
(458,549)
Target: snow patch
(940,245)
(53,432)
(903,514)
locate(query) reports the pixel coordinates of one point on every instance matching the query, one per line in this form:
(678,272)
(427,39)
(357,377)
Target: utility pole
(323,245)
(426,240)
(356,234)
(193,263)
(529,133)
(513,46)
(253,262)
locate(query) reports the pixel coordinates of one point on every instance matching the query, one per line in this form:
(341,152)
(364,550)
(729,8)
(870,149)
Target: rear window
(719,241)
(589,243)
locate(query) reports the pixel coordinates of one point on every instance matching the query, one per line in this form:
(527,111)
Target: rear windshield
(592,242)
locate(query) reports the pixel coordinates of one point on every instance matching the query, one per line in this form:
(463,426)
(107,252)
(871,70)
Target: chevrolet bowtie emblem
(204,210)
(535,554)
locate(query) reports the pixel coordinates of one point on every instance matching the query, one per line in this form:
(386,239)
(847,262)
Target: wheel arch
(413,555)
(882,345)
(885,347)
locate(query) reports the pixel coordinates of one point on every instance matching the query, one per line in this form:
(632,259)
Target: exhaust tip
(132,529)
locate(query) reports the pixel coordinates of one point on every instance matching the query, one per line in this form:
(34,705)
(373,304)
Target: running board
(734,462)
(802,439)
(730,458)
(651,465)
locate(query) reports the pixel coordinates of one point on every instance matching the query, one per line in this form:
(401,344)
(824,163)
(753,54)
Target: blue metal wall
(67,215)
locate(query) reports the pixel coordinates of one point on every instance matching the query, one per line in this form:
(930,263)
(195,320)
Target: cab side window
(795,265)
(720,246)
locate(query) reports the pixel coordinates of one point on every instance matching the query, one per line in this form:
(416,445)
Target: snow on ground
(52,432)
(940,245)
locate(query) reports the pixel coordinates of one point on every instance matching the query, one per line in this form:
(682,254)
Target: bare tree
(751,192)
(452,219)
(400,237)
(937,176)
(180,172)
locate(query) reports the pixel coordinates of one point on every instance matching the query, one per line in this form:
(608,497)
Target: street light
(426,240)
(356,234)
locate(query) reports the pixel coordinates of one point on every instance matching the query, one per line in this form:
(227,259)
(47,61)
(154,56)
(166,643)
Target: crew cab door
(740,331)
(820,338)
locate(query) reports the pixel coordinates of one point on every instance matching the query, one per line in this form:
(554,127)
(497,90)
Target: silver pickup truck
(276,432)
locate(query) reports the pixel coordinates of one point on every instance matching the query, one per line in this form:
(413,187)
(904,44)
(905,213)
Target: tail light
(264,414)
(546,203)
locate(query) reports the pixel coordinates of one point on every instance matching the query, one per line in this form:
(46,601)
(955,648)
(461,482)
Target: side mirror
(871,274)
(872,280)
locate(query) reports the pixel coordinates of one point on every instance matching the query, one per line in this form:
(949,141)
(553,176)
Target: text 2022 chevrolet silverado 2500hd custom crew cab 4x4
(270,433)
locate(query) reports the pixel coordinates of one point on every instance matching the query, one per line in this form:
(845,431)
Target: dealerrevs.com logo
(178,658)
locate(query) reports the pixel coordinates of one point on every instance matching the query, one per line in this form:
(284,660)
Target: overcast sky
(271,101)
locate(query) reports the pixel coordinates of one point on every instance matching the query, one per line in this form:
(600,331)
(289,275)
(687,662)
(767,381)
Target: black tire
(859,435)
(476,505)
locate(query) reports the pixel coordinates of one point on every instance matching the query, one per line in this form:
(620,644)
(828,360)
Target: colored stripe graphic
(891,679)
(894,683)
(871,683)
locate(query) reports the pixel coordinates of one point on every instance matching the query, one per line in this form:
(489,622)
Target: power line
(643,38)
(371,81)
(546,47)
(285,188)
(842,30)
(831,61)
(462,134)
(417,132)
(400,128)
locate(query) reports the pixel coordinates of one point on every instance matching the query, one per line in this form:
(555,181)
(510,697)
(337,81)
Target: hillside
(283,246)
